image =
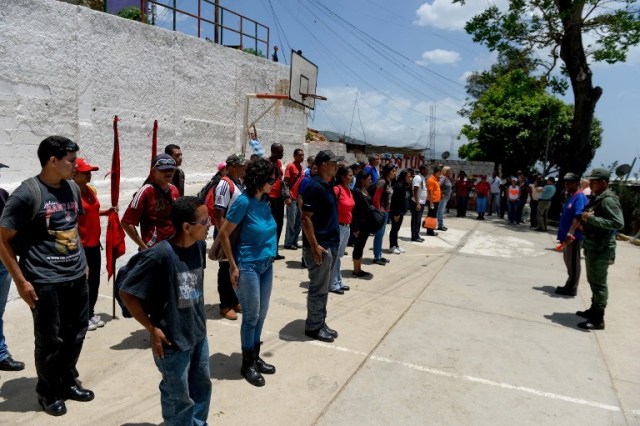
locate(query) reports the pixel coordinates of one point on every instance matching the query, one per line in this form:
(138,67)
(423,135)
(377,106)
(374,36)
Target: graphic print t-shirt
(172,278)
(52,251)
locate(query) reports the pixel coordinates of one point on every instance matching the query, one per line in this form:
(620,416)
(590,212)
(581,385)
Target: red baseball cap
(83,167)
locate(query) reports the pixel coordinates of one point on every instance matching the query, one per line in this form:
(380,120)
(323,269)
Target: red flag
(115,233)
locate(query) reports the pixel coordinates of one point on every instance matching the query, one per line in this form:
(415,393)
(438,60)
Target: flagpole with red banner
(115,234)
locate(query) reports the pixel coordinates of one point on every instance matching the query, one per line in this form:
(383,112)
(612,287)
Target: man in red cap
(151,206)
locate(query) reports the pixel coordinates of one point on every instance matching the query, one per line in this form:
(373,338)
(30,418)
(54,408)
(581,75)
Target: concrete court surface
(463,329)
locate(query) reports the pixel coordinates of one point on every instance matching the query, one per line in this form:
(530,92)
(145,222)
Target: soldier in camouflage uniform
(600,221)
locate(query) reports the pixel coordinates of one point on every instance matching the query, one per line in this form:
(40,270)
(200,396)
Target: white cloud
(439,56)
(465,75)
(391,120)
(446,15)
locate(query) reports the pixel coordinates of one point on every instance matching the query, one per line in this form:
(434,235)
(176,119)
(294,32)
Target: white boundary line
(453,376)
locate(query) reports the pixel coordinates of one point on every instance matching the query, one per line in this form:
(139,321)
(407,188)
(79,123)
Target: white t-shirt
(419,181)
(224,199)
(495,185)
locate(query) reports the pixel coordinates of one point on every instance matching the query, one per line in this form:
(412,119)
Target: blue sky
(385,66)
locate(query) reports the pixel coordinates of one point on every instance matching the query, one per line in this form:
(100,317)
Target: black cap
(571,177)
(325,156)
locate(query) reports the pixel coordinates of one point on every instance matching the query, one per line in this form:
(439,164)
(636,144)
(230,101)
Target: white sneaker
(96,321)
(401,249)
(91,326)
(396,250)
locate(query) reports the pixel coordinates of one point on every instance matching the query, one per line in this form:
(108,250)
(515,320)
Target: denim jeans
(254,291)
(336,275)
(185,388)
(377,238)
(441,207)
(416,219)
(319,277)
(513,210)
(481,205)
(60,321)
(5,284)
(294,225)
(495,202)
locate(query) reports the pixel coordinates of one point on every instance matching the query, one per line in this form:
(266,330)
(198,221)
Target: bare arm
(307,227)
(132,232)
(134,306)
(10,261)
(224,233)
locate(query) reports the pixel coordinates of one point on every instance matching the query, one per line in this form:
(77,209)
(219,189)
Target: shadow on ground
(138,339)
(225,367)
(294,332)
(566,319)
(19,395)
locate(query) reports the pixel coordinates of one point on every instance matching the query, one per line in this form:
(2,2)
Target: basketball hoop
(313,96)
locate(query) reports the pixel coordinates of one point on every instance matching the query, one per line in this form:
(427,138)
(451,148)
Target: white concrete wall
(68,70)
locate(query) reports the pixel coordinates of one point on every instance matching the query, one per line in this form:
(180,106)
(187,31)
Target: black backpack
(202,194)
(123,272)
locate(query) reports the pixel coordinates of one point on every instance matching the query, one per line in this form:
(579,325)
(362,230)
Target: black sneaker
(362,274)
(320,334)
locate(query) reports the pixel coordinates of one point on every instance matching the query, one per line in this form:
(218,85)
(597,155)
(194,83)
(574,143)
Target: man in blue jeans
(320,243)
(164,292)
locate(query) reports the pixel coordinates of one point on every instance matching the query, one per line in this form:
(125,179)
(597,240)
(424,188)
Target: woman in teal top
(251,262)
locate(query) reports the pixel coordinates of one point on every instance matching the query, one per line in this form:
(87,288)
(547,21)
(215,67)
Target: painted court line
(454,376)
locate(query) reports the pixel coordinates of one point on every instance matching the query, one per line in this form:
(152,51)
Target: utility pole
(216,37)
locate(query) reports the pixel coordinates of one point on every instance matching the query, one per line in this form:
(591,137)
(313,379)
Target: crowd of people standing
(49,245)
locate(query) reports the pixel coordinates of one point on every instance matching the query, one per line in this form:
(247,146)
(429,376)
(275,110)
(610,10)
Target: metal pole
(216,37)
(245,124)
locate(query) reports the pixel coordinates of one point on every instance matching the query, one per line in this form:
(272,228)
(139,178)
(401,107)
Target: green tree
(558,27)
(515,123)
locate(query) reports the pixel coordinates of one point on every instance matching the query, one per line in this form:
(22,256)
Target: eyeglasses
(205,222)
(165,162)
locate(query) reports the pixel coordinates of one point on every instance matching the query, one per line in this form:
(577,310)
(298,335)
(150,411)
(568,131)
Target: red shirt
(346,204)
(483,188)
(152,211)
(276,188)
(462,188)
(292,176)
(89,222)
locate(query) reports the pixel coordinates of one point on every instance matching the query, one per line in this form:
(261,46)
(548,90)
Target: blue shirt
(320,199)
(547,192)
(373,171)
(303,185)
(572,208)
(257,238)
(257,147)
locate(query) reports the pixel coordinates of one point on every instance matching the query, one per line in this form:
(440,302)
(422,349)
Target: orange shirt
(433,190)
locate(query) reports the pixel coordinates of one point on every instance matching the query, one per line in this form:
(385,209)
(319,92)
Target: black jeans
(432,212)
(277,211)
(416,220)
(60,321)
(358,245)
(395,227)
(93,256)
(228,298)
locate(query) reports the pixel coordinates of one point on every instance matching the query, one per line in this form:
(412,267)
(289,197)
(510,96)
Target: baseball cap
(83,167)
(325,156)
(571,177)
(164,162)
(599,174)
(236,159)
(221,165)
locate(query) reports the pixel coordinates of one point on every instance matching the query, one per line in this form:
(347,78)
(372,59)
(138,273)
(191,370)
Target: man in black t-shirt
(320,243)
(169,277)
(39,224)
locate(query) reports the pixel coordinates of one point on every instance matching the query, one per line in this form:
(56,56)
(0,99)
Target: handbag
(429,223)
(375,221)
(216,252)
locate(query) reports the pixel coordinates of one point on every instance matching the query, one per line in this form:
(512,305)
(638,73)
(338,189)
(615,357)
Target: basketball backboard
(303,81)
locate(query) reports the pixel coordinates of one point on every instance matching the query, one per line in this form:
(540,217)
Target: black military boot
(585,314)
(595,320)
(249,369)
(263,367)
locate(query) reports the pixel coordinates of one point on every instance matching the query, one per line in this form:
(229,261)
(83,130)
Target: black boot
(263,367)
(595,320)
(249,370)
(585,314)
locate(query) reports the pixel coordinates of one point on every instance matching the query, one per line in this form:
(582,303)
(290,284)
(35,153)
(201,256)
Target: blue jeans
(319,278)
(377,238)
(5,284)
(336,275)
(254,291)
(513,210)
(294,225)
(441,208)
(481,205)
(185,388)
(495,201)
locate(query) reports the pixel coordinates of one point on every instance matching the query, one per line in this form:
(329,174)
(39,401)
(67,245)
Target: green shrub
(254,52)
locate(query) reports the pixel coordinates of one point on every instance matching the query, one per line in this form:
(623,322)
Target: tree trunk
(585,95)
